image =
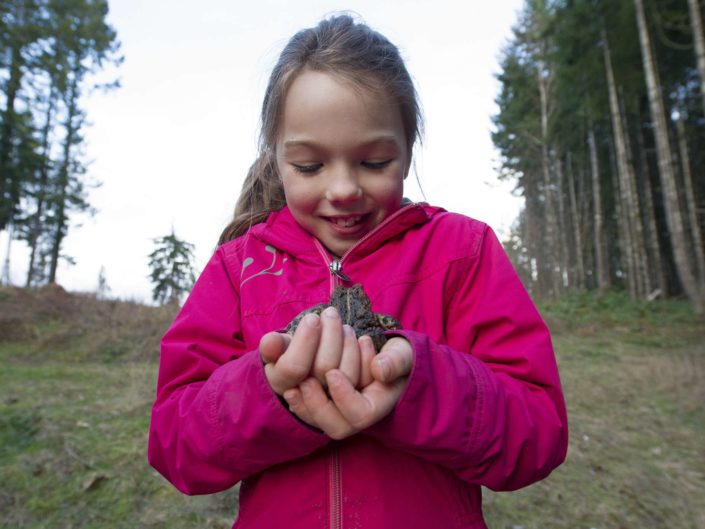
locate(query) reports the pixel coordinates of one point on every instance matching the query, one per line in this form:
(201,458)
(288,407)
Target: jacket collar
(283,232)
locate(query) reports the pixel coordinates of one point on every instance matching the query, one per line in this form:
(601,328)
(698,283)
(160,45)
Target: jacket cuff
(437,415)
(251,419)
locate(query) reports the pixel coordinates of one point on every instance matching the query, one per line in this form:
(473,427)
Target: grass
(77,385)
(78,381)
(634,381)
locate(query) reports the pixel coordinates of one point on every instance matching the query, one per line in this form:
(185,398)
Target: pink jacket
(483,404)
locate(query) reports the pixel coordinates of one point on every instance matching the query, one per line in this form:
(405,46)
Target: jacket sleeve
(216,419)
(492,411)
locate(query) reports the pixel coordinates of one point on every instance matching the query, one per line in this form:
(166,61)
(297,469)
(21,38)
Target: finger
(350,360)
(295,400)
(295,364)
(367,354)
(322,411)
(330,347)
(365,408)
(394,361)
(349,402)
(272,345)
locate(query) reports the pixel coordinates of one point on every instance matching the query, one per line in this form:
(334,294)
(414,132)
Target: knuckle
(293,371)
(322,366)
(360,423)
(339,434)
(362,420)
(301,412)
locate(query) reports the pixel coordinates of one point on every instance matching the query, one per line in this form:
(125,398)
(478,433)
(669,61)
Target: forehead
(320,106)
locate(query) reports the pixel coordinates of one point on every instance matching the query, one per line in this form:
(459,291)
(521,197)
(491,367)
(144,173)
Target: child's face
(342,156)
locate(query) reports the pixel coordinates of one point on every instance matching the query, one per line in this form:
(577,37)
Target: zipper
(336,508)
(336,268)
(329,263)
(335,265)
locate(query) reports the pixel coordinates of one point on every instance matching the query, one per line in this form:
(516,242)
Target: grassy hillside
(78,376)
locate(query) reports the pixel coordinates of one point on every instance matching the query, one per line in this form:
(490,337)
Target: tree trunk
(624,249)
(653,246)
(63,181)
(622,174)
(534,242)
(575,218)
(603,281)
(636,221)
(567,277)
(551,231)
(699,40)
(690,201)
(676,227)
(5,278)
(36,222)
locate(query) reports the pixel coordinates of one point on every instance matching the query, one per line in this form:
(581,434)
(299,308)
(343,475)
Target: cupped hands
(332,380)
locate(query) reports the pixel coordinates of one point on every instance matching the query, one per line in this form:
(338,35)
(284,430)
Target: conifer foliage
(49,52)
(171,269)
(601,127)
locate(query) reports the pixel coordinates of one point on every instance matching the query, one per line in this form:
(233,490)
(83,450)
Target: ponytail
(262,193)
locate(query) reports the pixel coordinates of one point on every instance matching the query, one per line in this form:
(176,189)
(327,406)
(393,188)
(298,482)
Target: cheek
(299,193)
(389,190)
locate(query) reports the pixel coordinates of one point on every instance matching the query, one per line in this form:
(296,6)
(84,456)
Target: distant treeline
(601,125)
(49,49)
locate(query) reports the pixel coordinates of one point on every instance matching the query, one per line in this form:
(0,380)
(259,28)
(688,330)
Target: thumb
(394,361)
(272,345)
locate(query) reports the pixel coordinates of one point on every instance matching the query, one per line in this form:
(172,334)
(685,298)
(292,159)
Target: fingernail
(311,319)
(330,312)
(333,377)
(305,388)
(348,331)
(290,398)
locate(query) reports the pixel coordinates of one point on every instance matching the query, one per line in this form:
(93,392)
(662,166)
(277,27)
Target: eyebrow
(384,139)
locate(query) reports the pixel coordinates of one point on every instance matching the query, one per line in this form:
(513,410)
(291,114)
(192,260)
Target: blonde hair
(342,47)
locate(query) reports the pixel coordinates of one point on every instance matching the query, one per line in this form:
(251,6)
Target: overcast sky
(172,145)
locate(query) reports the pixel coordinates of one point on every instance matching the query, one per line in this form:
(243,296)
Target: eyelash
(307,168)
(377,165)
(374,166)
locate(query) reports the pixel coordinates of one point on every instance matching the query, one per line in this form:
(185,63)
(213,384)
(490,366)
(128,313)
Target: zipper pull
(336,268)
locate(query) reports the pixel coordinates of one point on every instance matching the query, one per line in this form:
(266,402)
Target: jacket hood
(282,231)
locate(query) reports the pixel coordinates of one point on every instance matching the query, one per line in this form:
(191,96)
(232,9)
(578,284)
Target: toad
(355,309)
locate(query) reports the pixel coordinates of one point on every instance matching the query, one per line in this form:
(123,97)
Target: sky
(172,145)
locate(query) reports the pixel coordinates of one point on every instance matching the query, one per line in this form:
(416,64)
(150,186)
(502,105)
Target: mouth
(345,222)
(348,225)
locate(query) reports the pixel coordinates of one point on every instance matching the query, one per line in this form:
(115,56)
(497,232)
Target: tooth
(347,222)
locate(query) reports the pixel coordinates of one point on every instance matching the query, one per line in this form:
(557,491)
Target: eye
(376,165)
(311,168)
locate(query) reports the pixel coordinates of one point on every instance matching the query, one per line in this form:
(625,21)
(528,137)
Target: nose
(343,184)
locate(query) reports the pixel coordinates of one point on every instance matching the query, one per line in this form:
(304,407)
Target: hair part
(339,46)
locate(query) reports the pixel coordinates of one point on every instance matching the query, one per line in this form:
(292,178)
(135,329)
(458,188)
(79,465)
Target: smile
(345,222)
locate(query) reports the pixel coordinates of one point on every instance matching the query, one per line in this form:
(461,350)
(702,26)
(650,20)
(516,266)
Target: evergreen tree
(20,36)
(585,142)
(49,51)
(88,41)
(172,271)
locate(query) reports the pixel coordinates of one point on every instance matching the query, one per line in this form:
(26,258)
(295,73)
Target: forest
(601,129)
(50,51)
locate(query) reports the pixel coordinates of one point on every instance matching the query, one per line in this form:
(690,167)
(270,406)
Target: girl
(319,430)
